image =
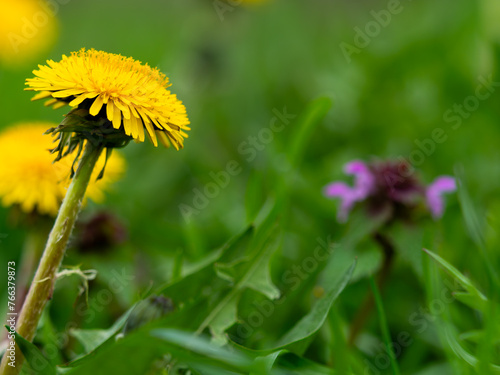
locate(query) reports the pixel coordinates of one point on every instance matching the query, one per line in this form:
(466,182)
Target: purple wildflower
(363,186)
(434,192)
(388,187)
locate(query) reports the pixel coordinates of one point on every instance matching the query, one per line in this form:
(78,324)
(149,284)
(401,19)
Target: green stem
(366,308)
(384,327)
(42,286)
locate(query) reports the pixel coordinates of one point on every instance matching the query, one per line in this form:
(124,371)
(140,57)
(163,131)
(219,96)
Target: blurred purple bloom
(388,187)
(364,183)
(434,192)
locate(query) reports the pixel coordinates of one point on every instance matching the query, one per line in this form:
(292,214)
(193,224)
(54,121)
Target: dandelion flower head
(116,94)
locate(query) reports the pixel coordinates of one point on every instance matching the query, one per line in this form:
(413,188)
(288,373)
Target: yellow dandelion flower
(31,180)
(116,95)
(27,29)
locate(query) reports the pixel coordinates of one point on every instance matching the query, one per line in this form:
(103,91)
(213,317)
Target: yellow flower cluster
(30,179)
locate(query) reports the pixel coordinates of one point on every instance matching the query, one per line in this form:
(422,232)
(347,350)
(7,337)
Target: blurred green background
(232,67)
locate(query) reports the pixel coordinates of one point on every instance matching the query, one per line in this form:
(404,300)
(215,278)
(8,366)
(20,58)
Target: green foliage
(261,274)
(34,357)
(486,340)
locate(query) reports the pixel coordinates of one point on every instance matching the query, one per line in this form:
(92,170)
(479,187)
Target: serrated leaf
(114,356)
(96,340)
(133,355)
(260,280)
(253,274)
(229,271)
(202,274)
(225,319)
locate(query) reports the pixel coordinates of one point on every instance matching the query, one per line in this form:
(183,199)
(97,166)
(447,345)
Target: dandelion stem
(42,286)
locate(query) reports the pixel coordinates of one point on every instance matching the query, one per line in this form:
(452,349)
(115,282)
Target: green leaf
(474,227)
(254,196)
(360,227)
(90,338)
(95,340)
(192,349)
(36,360)
(472,336)
(132,355)
(202,273)
(462,353)
(409,242)
(469,213)
(339,351)
(384,327)
(296,339)
(260,279)
(294,364)
(463,281)
(224,320)
(304,127)
(473,301)
(267,362)
(437,369)
(253,274)
(114,356)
